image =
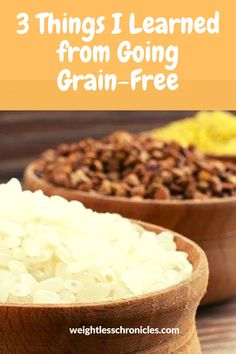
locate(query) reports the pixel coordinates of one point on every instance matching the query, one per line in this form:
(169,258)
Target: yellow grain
(212,132)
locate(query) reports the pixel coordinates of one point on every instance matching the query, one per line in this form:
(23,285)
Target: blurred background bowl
(210,223)
(39,329)
(224,158)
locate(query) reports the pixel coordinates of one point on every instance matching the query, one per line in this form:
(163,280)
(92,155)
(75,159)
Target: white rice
(55,251)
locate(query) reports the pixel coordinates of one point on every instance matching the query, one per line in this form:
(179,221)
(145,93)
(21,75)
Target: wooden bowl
(224,158)
(41,329)
(210,223)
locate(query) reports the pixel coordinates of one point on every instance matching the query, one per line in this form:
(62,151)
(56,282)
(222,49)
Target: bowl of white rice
(63,266)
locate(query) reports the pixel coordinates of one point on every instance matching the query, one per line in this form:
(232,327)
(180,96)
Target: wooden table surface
(23,135)
(217,328)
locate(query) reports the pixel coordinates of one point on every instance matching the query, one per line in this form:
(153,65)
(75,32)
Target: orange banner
(123,55)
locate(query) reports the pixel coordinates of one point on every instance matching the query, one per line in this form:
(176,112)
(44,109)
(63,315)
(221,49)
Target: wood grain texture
(217,328)
(44,329)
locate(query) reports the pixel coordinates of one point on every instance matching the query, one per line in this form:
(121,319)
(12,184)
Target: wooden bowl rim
(30,173)
(220,157)
(199,264)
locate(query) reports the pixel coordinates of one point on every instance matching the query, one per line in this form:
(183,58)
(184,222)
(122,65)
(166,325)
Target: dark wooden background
(23,135)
